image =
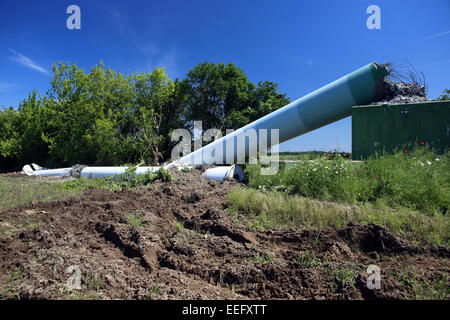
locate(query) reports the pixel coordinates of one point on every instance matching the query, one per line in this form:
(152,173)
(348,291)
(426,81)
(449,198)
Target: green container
(392,127)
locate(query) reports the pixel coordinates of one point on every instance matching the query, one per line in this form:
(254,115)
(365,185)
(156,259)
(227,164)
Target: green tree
(86,115)
(212,91)
(102,117)
(9,138)
(8,132)
(222,97)
(263,100)
(445,95)
(21,136)
(108,140)
(173,118)
(153,91)
(69,113)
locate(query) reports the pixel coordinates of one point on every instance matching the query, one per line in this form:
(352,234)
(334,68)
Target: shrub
(418,180)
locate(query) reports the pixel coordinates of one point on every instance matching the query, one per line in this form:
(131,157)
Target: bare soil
(186,246)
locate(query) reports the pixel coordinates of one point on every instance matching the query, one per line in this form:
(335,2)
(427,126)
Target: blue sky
(301,45)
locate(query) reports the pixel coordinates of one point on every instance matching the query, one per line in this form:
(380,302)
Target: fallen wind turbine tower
(328,104)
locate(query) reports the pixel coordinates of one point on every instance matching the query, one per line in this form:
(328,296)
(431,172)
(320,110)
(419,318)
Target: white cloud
(150,49)
(436,35)
(309,62)
(20,58)
(118,20)
(5,86)
(167,60)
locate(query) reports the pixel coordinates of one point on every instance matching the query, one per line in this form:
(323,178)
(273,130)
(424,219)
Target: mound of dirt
(175,240)
(12,175)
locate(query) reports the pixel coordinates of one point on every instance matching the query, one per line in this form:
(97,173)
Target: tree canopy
(103,117)
(445,95)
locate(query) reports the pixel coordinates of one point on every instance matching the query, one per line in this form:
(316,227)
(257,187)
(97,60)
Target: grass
(16,191)
(307,260)
(136,219)
(424,289)
(127,180)
(437,290)
(276,209)
(417,180)
(310,155)
(154,291)
(19,191)
(407,193)
(263,258)
(32,225)
(178,226)
(94,282)
(12,291)
(345,277)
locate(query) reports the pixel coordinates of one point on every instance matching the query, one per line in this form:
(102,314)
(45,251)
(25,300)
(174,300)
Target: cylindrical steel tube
(317,109)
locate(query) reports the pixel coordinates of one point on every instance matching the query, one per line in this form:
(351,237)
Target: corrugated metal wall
(390,127)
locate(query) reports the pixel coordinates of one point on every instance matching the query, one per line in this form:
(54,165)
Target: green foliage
(102,117)
(345,277)
(152,94)
(445,95)
(307,260)
(21,131)
(312,155)
(93,282)
(178,226)
(163,175)
(418,180)
(11,291)
(154,291)
(423,289)
(268,257)
(127,180)
(222,97)
(136,219)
